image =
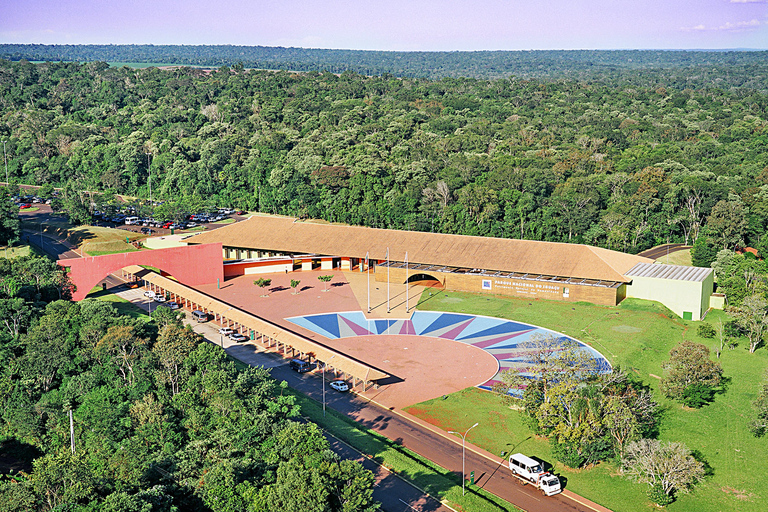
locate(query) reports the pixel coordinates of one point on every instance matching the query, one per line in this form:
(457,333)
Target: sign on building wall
(486,284)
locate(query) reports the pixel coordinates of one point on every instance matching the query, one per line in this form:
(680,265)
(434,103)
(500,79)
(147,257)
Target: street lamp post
(149,170)
(5,157)
(463,443)
(324,364)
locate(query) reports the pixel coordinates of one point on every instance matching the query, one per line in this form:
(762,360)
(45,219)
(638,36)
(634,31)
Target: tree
(667,465)
(759,426)
(325,280)
(172,348)
(9,221)
(294,284)
(163,316)
(752,318)
(263,283)
(689,365)
(726,223)
(121,344)
(62,477)
(703,252)
(549,360)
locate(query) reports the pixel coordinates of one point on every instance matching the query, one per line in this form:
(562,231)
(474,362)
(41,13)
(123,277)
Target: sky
(403,25)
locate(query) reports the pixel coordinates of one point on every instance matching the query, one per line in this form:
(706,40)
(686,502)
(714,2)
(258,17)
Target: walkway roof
(284,234)
(341,361)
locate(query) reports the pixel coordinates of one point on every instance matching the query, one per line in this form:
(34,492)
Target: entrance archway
(192,265)
(427,280)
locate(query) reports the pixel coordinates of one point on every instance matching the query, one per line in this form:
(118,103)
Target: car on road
(150,294)
(25,206)
(237,337)
(339,385)
(226,331)
(147,231)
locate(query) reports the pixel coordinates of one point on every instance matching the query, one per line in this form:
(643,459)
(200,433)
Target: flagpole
(388,308)
(368,278)
(407,308)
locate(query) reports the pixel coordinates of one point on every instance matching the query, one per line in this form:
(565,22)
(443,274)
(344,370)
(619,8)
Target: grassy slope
(638,336)
(95,240)
(677,258)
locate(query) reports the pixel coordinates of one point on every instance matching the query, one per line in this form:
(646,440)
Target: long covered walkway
(272,336)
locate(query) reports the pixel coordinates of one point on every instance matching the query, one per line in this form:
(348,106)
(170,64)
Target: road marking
(406,504)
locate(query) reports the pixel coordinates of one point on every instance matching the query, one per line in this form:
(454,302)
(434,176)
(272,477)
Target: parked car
(150,294)
(147,231)
(200,316)
(226,331)
(238,338)
(339,385)
(159,298)
(300,366)
(172,305)
(240,212)
(25,206)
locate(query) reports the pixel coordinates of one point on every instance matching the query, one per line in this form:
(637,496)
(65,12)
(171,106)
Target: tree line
(685,68)
(604,163)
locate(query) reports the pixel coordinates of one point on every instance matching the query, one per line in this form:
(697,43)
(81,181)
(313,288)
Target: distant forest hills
(675,68)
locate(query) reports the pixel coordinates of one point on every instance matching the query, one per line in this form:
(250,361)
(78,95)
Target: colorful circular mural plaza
(507,341)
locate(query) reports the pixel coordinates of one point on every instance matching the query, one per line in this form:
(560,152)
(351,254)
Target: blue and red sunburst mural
(509,342)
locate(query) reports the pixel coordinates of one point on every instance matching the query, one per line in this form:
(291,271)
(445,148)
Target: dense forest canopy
(102,411)
(600,162)
(685,68)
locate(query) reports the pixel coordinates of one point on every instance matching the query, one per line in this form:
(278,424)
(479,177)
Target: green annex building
(684,290)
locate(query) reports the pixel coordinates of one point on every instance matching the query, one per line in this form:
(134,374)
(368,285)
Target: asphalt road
(662,250)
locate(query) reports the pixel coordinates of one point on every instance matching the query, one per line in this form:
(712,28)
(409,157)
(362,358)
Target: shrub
(567,454)
(657,495)
(697,395)
(706,331)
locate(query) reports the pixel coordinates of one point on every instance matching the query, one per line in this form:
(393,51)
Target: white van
(526,467)
(527,470)
(130,221)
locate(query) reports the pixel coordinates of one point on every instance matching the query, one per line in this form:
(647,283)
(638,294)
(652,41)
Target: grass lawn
(638,336)
(123,306)
(225,221)
(15,252)
(95,240)
(677,258)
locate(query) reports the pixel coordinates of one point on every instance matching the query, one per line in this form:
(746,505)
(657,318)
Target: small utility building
(684,290)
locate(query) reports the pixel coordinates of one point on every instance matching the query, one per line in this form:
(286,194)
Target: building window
(566,293)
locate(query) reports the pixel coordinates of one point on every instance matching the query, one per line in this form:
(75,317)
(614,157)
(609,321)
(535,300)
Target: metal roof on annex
(672,272)
(288,235)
